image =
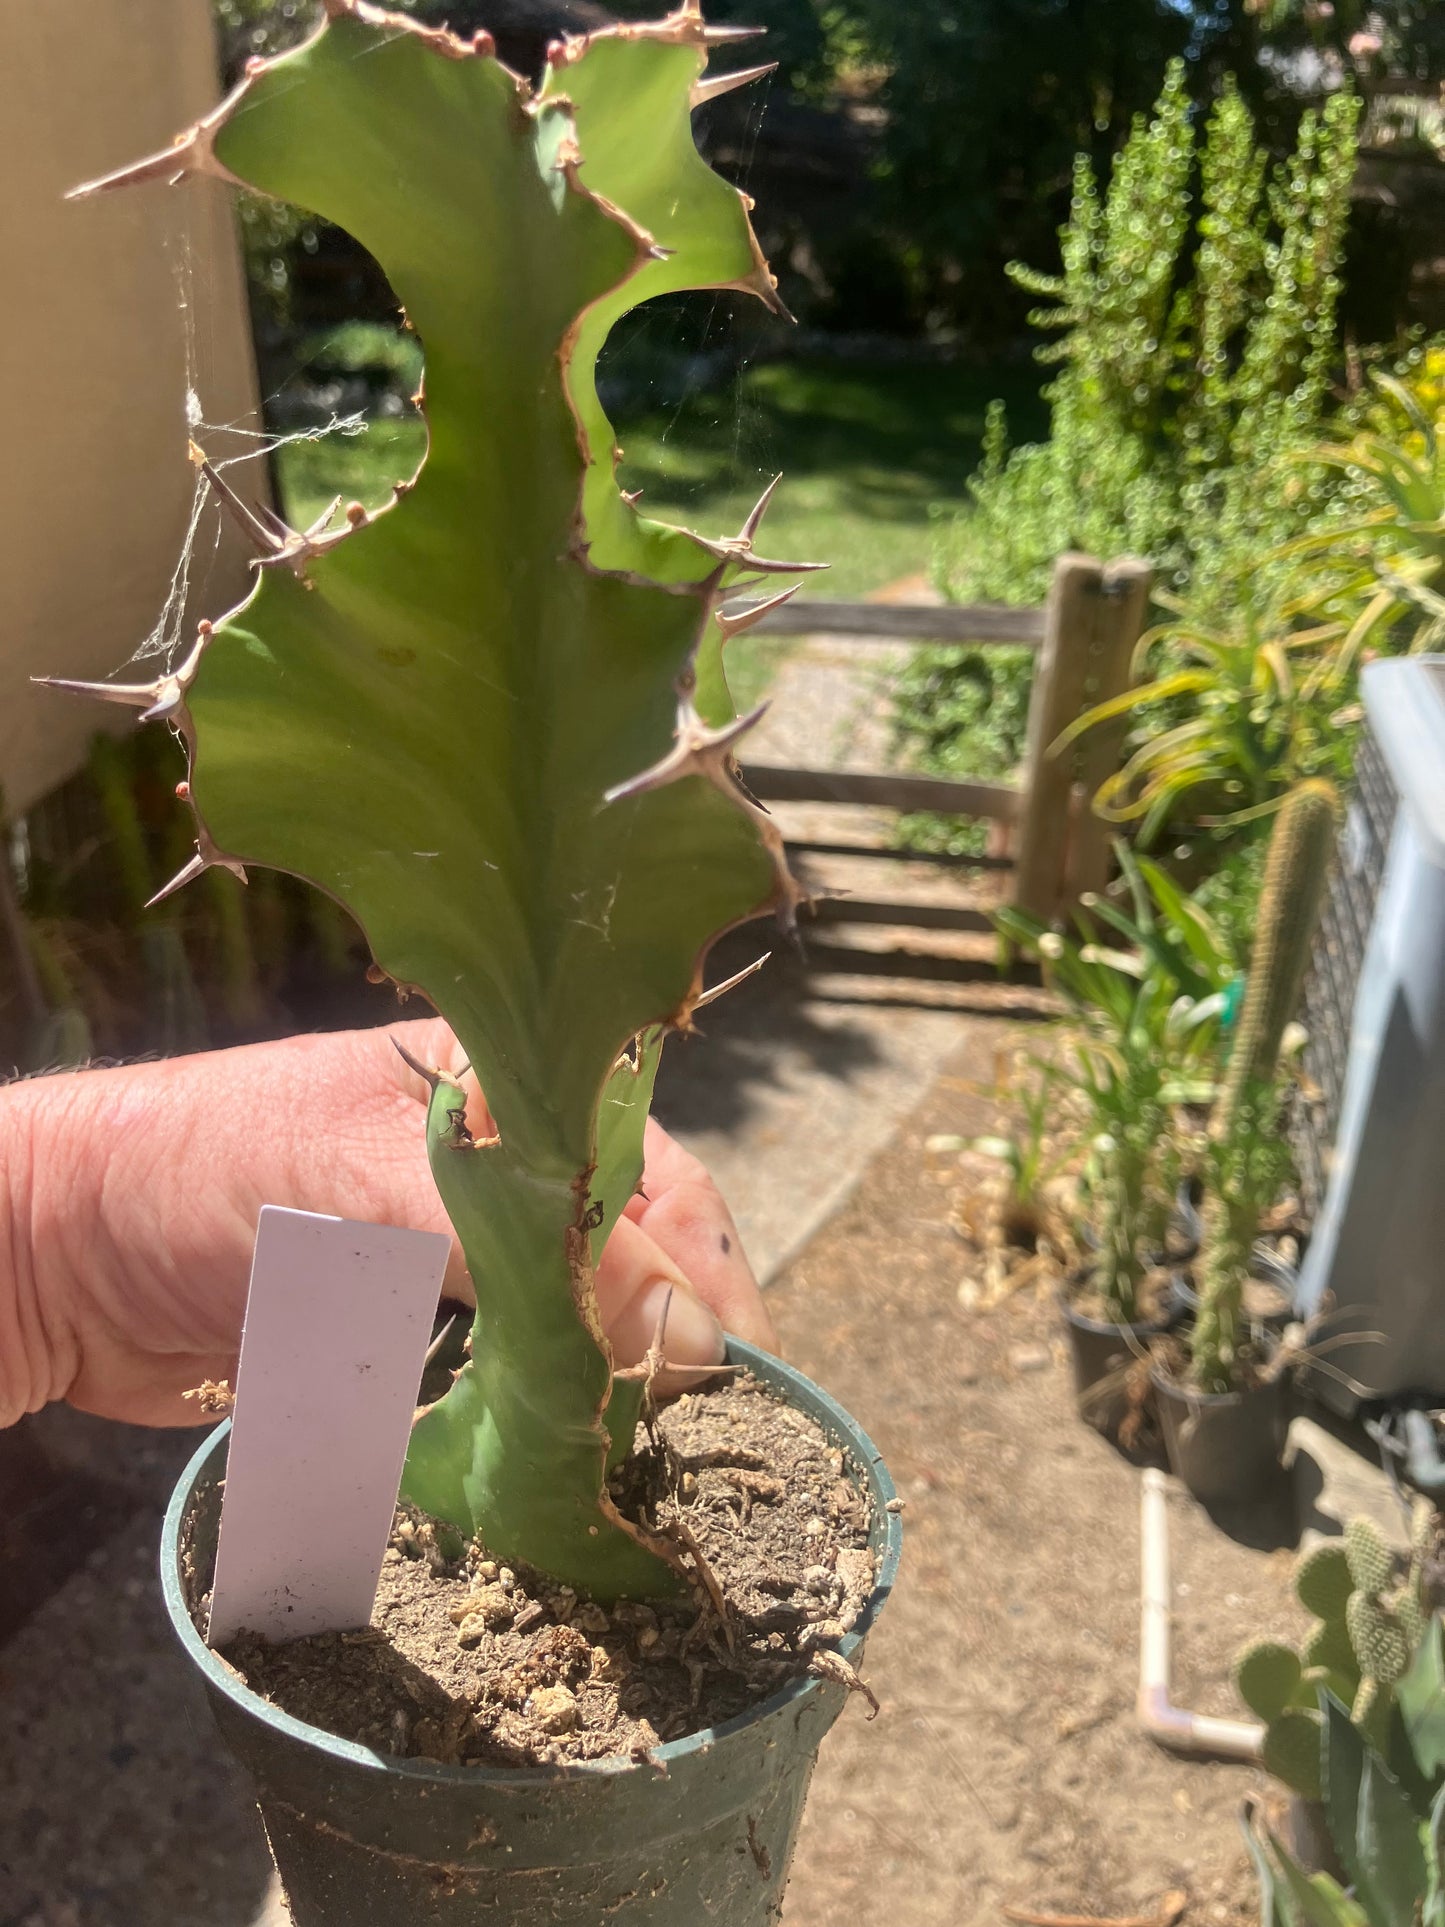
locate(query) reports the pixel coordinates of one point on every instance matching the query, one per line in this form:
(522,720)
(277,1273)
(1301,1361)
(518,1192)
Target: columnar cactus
(491,719)
(1244,1157)
(1369,1623)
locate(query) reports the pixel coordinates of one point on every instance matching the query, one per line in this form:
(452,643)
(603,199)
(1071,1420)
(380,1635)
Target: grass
(866,451)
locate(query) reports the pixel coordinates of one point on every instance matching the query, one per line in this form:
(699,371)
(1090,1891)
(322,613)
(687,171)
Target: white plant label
(337,1325)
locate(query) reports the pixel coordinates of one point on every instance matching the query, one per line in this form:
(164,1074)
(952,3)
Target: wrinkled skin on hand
(135,1194)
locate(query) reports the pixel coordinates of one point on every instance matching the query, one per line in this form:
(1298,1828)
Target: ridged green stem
(1245,1116)
(490,720)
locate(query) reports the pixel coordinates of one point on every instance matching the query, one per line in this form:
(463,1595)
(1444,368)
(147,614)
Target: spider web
(666,358)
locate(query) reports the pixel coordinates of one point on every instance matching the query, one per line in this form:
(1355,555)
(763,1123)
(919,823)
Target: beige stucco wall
(95,486)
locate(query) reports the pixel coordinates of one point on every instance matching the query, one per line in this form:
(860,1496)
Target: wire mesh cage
(1369,1137)
(1339,956)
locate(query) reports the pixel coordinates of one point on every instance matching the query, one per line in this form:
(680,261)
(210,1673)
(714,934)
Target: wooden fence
(1085,637)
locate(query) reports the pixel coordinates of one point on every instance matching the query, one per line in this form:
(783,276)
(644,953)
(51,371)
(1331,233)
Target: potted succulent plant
(1354,1726)
(491,721)
(1224,1414)
(1142,1031)
(1369,1622)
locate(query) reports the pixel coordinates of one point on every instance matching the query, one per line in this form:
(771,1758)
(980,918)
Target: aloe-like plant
(491,719)
(1144,1022)
(1387,563)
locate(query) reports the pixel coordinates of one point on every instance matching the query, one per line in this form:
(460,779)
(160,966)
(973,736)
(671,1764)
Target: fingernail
(693,1335)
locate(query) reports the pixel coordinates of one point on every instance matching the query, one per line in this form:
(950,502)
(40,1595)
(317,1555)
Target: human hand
(134,1195)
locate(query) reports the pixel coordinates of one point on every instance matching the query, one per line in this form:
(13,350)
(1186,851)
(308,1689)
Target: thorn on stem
(432,1077)
(717,85)
(257,526)
(186,874)
(697,751)
(274,539)
(132,695)
(738,625)
(731,983)
(760,508)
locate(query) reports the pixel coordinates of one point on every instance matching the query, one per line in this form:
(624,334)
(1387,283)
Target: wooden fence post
(1094,618)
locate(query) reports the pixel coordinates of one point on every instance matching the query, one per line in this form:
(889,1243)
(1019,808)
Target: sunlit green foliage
(1144,988)
(1196,335)
(1251,684)
(1194,332)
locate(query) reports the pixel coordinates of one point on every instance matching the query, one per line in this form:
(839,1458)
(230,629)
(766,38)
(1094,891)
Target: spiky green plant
(1370,1626)
(1246,1159)
(1379,1770)
(491,719)
(1143,1029)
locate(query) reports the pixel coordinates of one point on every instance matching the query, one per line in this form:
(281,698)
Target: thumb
(634,1277)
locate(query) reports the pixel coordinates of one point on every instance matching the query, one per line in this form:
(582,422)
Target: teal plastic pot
(701,1831)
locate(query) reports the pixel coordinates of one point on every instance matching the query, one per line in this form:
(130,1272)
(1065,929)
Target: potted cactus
(1223,1417)
(1353,1727)
(1368,1623)
(491,721)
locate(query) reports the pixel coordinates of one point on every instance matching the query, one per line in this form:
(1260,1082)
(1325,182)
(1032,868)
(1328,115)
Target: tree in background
(986,103)
(926,146)
(1399,38)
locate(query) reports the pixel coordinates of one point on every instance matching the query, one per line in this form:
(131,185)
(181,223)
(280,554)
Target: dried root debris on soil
(468,1661)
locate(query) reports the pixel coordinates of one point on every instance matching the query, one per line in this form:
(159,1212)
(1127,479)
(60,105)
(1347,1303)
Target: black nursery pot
(1225,1446)
(701,1830)
(1101,1355)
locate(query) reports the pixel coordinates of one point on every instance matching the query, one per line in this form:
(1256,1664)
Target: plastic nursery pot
(1225,1446)
(1104,1358)
(701,1830)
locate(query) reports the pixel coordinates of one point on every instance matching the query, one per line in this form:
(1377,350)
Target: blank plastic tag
(337,1325)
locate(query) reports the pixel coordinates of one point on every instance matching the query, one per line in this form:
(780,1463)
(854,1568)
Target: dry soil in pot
(469,1661)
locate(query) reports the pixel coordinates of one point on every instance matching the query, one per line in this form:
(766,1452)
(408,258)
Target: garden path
(1006,1768)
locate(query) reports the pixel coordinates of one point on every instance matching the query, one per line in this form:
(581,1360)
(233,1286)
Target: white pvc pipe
(1169,1725)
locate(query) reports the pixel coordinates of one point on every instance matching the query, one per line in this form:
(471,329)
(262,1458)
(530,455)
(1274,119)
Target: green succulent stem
(491,721)
(1245,1160)
(523,1438)
(1296,872)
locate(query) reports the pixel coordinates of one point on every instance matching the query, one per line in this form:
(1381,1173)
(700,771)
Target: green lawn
(864,452)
